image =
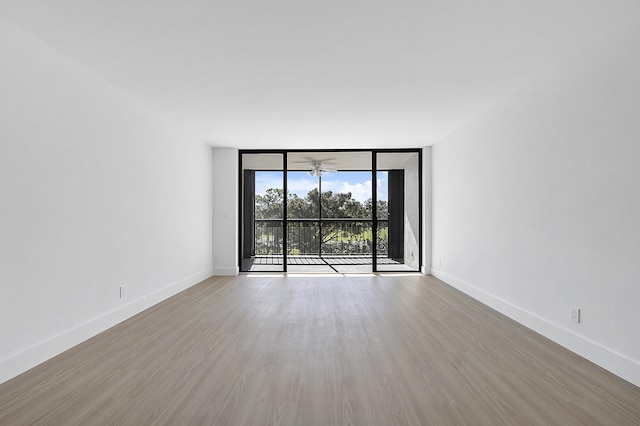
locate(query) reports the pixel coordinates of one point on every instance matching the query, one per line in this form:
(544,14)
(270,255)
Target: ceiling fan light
(315,172)
(316,169)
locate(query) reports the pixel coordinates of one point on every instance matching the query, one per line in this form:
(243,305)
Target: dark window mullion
(374,210)
(285,219)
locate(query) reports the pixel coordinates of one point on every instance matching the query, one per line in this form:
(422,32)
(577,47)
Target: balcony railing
(320,237)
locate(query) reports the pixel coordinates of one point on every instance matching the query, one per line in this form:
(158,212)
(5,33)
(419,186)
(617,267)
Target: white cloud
(359,191)
(301,186)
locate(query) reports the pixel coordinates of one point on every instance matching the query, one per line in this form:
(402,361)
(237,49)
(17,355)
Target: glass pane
(303,238)
(335,236)
(268,199)
(398,210)
(302,196)
(346,238)
(383,195)
(262,212)
(346,195)
(303,230)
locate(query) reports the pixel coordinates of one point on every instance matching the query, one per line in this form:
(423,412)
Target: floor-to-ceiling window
(344,211)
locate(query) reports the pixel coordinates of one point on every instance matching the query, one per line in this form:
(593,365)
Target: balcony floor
(324,264)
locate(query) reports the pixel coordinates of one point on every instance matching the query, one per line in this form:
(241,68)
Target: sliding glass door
(328,226)
(344,211)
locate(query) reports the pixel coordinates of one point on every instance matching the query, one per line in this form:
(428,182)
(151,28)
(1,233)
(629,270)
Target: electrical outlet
(121,291)
(575,314)
(439,262)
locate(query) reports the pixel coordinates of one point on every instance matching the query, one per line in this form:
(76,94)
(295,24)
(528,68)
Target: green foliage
(334,205)
(300,208)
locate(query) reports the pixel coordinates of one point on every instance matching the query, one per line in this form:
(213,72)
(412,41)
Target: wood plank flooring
(330,350)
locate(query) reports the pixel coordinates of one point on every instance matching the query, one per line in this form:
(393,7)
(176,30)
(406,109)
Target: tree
(269,205)
(336,205)
(302,208)
(382,211)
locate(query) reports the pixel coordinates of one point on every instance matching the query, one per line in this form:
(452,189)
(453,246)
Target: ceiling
(318,74)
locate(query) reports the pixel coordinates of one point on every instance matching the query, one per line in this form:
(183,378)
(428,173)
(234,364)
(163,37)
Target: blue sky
(300,183)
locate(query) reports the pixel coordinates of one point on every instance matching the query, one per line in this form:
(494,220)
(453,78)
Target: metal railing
(320,237)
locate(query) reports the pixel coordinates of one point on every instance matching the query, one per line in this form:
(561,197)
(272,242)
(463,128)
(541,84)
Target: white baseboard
(225,271)
(606,358)
(20,362)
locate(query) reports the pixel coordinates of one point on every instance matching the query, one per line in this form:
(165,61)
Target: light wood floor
(331,350)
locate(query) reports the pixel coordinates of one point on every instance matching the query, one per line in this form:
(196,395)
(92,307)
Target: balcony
(339,244)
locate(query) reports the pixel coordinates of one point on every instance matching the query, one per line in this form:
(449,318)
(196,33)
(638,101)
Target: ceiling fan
(316,164)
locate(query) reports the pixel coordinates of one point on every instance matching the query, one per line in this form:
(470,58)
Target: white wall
(536,204)
(96,192)
(225,211)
